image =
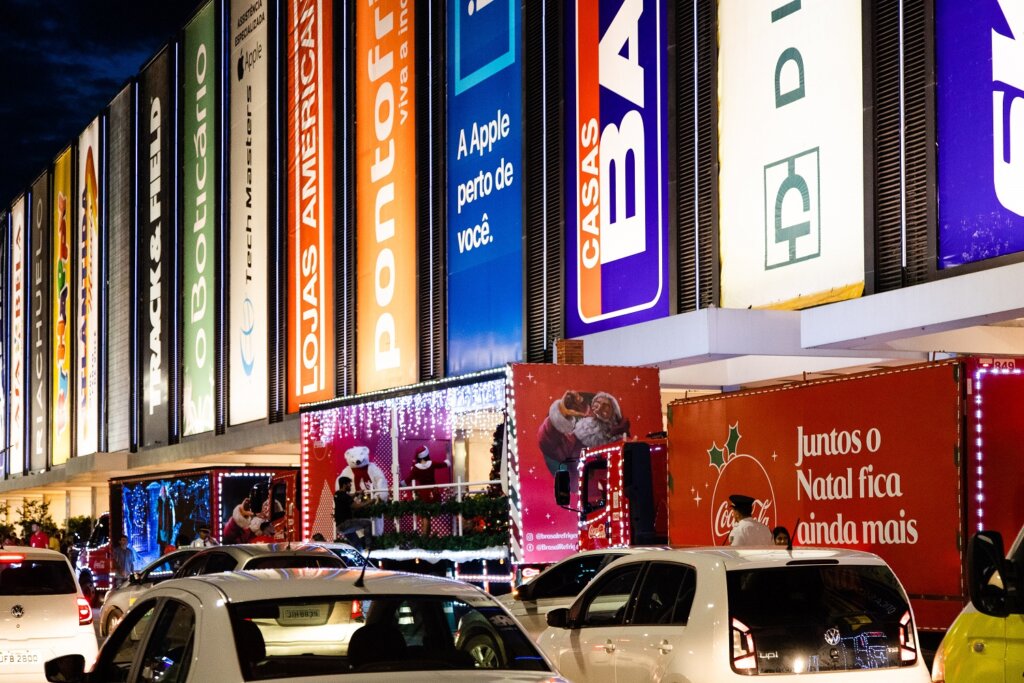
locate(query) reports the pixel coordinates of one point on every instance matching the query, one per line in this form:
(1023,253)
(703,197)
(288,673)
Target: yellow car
(986,642)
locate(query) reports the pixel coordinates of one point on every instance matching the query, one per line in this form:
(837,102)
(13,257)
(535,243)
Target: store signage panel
(980,102)
(60,295)
(249,186)
(310,202)
(39,325)
(485,208)
(199,184)
(791,149)
(386,343)
(5,231)
(155,231)
(87,292)
(17,376)
(117,257)
(616,176)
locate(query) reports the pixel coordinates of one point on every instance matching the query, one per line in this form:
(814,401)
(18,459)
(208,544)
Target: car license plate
(8,657)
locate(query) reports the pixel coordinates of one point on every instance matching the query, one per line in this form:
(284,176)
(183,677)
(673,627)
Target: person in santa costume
(422,474)
(238,527)
(368,481)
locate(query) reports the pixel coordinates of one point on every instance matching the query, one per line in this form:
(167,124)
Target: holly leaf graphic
(734,439)
(717,456)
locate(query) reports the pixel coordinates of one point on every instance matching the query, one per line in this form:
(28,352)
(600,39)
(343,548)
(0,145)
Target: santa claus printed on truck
(368,480)
(422,474)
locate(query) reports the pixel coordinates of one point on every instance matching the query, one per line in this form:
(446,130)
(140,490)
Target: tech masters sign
(616,193)
(791,150)
(249,186)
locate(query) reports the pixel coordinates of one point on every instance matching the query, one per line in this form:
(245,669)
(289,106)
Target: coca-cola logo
(738,473)
(596,530)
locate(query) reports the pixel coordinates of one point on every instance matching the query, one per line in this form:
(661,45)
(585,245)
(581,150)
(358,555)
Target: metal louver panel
(430,204)
(542,220)
(277,178)
(696,162)
(901,150)
(344,205)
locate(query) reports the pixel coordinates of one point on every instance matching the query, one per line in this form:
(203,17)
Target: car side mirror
(562,494)
(525,592)
(136,577)
(66,669)
(559,618)
(988,575)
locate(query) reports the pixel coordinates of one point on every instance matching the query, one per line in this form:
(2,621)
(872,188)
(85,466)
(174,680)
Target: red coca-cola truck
(167,509)
(906,463)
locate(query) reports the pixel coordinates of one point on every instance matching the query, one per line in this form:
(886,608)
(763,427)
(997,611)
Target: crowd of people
(38,537)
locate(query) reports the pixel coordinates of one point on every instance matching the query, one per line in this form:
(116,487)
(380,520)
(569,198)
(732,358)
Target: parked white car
(557,586)
(43,613)
(312,625)
(710,615)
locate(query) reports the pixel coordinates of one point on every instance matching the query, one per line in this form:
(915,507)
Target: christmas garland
(407,540)
(490,510)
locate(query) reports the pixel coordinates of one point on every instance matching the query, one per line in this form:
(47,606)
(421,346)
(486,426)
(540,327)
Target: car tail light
(744,656)
(11,557)
(908,643)
(357,611)
(84,612)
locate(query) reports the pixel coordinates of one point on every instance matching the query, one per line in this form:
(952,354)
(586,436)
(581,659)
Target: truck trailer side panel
(870,461)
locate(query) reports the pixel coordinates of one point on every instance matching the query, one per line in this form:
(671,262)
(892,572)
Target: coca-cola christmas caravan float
(550,413)
(906,463)
(874,461)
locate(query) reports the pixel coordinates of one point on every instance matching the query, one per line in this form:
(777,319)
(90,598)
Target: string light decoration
(430,411)
(980,375)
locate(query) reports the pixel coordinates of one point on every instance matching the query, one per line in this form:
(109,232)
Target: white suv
(42,613)
(713,615)
(558,585)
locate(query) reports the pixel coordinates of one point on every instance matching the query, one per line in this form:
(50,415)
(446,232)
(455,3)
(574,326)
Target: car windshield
(333,635)
(35,577)
(803,619)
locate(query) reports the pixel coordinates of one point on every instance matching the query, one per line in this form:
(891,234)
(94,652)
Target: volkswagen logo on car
(17,611)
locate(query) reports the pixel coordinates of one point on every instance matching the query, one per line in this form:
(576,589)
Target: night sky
(61,63)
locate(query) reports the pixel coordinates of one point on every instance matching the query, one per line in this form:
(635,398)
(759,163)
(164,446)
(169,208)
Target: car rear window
(295,562)
(816,618)
(35,577)
(376,634)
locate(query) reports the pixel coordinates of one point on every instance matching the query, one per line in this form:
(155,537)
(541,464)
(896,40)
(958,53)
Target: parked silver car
(119,600)
(227,558)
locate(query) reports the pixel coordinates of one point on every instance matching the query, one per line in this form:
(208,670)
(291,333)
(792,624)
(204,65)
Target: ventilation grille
(542,155)
(895,193)
(344,204)
(430,205)
(277,179)
(696,174)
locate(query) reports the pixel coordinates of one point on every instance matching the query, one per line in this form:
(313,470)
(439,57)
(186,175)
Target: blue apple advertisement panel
(485,207)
